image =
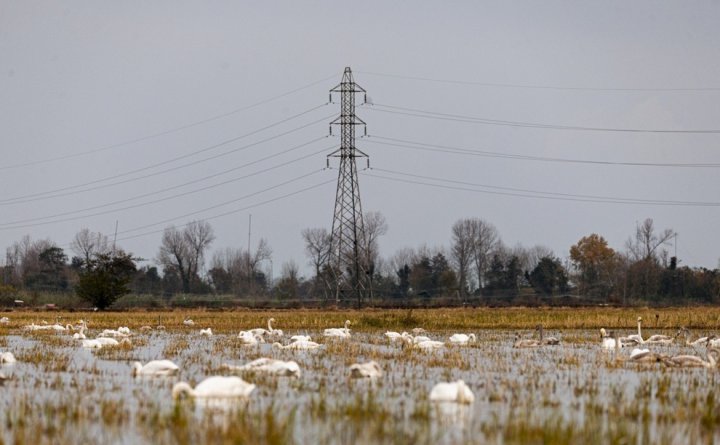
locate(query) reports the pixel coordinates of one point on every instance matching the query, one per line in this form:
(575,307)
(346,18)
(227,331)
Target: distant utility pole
(348,243)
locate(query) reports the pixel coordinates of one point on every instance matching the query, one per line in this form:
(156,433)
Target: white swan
(370,370)
(295,338)
(269,331)
(462,339)
(428,345)
(155,368)
(7,357)
(525,342)
(274,332)
(4,320)
(338,332)
(268,366)
(609,341)
(124,330)
(112,333)
(457,392)
(653,339)
(297,345)
(248,338)
(107,341)
(80,335)
(634,338)
(392,336)
(206,332)
(420,338)
(101,342)
(91,344)
(188,322)
(644,356)
(216,387)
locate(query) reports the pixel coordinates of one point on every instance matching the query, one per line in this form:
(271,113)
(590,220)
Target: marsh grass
(460,319)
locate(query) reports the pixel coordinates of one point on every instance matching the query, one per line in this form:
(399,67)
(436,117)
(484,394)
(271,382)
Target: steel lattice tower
(348,245)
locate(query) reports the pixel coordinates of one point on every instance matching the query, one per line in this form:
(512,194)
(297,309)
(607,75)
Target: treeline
(475,268)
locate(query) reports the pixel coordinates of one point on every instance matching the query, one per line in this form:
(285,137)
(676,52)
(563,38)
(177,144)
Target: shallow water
(60,392)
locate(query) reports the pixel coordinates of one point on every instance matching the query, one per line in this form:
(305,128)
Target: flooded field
(575,392)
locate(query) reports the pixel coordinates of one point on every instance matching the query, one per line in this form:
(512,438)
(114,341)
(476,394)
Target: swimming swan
(702,341)
(248,338)
(522,343)
(462,339)
(300,338)
(338,332)
(155,368)
(370,369)
(644,356)
(7,357)
(207,332)
(457,392)
(609,341)
(268,366)
(392,336)
(297,345)
(216,387)
(692,361)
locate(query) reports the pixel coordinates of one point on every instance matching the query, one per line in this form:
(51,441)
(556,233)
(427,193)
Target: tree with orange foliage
(595,263)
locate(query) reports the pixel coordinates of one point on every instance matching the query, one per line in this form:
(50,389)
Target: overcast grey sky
(108,78)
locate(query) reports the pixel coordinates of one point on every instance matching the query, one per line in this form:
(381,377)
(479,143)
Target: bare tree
(461,251)
(375,227)
(253,259)
(184,250)
(198,236)
(646,242)
(290,270)
(528,257)
(317,247)
(487,240)
(22,259)
(405,256)
(85,244)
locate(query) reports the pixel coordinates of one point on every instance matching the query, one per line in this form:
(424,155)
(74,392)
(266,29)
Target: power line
(171,219)
(55,193)
(220,215)
(492,154)
(165,132)
(414,112)
(538,87)
(15,225)
(526,193)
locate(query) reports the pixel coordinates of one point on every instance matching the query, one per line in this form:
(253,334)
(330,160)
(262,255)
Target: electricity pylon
(348,243)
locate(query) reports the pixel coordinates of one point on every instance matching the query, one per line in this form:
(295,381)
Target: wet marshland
(59,392)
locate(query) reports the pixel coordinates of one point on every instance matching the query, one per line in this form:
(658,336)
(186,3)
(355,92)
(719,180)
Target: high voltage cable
(414,112)
(493,154)
(16,224)
(54,193)
(525,193)
(267,201)
(535,87)
(165,132)
(129,207)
